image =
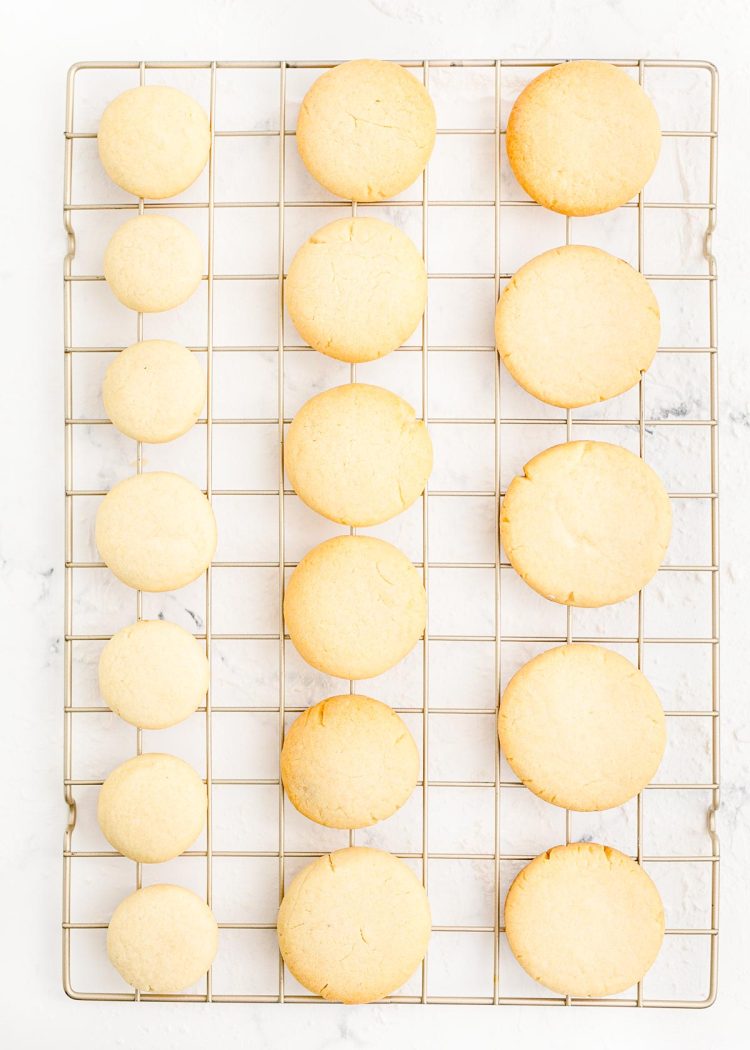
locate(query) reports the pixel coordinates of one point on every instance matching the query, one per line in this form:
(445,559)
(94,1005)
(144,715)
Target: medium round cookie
(356,289)
(162,939)
(349,762)
(576,326)
(154,140)
(153,674)
(582,727)
(153,263)
(355,606)
(366,129)
(152,808)
(154,391)
(354,925)
(587,524)
(357,454)
(584,920)
(156,531)
(583,138)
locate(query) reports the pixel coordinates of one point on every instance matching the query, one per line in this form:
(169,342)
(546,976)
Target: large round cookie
(587,523)
(366,129)
(153,263)
(357,454)
(356,289)
(583,138)
(576,326)
(354,925)
(355,606)
(582,727)
(584,920)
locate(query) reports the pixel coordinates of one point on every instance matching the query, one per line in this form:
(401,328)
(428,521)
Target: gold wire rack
(504,789)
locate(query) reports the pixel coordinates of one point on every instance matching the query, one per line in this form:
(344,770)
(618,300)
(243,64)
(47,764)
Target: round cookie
(354,925)
(584,920)
(582,727)
(583,138)
(355,606)
(153,263)
(357,454)
(349,762)
(576,326)
(587,524)
(156,531)
(154,391)
(152,808)
(162,939)
(356,289)
(154,141)
(366,129)
(153,674)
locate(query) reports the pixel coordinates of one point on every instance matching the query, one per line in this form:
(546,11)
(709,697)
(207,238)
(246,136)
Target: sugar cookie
(153,263)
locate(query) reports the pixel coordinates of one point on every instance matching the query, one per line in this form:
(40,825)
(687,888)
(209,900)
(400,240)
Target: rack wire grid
(467,835)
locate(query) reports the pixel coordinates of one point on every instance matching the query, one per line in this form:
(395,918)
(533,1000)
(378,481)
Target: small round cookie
(366,129)
(582,727)
(162,938)
(156,531)
(356,289)
(152,808)
(153,263)
(154,391)
(154,141)
(576,326)
(349,762)
(584,920)
(583,138)
(153,674)
(354,925)
(354,607)
(586,524)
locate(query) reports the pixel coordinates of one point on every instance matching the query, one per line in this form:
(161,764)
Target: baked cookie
(584,920)
(153,674)
(154,141)
(357,454)
(583,138)
(356,289)
(586,524)
(354,925)
(582,727)
(156,531)
(153,263)
(349,762)
(152,808)
(576,326)
(366,129)
(355,606)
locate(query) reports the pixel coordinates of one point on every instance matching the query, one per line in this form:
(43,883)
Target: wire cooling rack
(466,833)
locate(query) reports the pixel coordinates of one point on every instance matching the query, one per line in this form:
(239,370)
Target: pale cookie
(153,674)
(154,391)
(354,925)
(357,454)
(355,606)
(587,523)
(152,808)
(156,531)
(584,920)
(366,130)
(162,939)
(349,762)
(582,727)
(154,140)
(583,138)
(356,289)
(153,263)
(576,326)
